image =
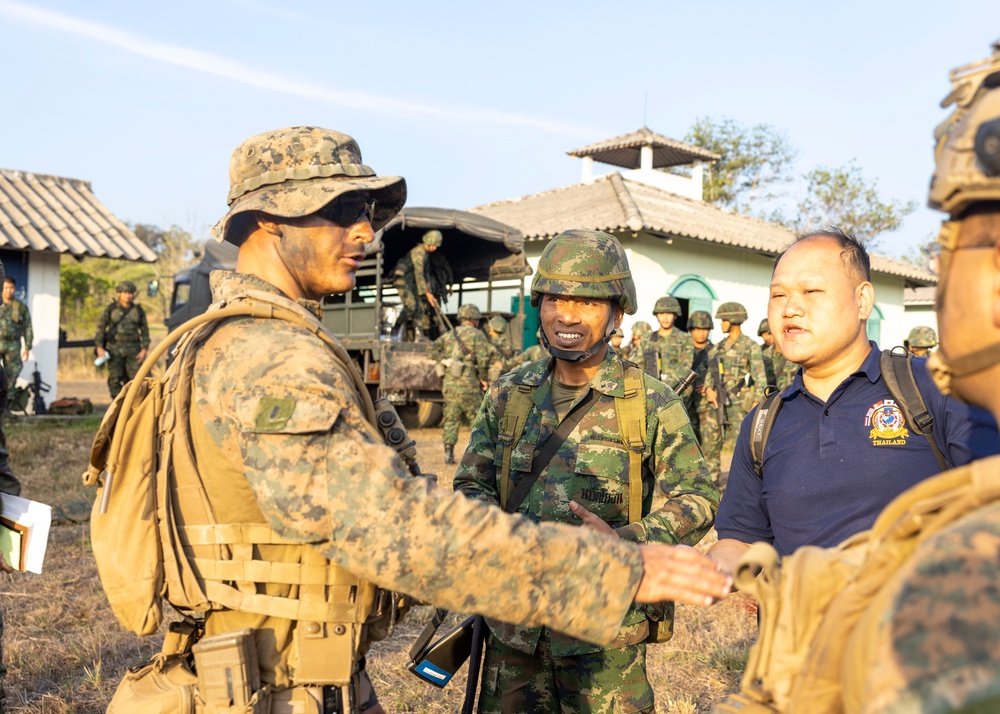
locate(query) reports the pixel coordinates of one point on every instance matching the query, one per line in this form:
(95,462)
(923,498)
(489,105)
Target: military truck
(488,266)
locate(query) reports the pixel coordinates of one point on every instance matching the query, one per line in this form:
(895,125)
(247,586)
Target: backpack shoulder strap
(897,371)
(760,429)
(512,421)
(631,412)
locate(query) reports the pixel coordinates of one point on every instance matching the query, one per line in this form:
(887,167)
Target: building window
(875,325)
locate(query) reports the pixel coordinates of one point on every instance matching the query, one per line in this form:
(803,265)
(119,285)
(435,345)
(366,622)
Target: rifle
(38,387)
(718,373)
(686,382)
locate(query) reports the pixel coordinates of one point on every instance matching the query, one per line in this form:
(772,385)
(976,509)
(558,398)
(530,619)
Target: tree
(755,161)
(844,198)
(174,248)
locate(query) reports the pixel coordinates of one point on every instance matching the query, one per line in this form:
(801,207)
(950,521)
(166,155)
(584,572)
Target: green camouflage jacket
(591,467)
(15,323)
(320,475)
(676,354)
(478,356)
(416,263)
(123,331)
(740,359)
(784,371)
(699,402)
(532,354)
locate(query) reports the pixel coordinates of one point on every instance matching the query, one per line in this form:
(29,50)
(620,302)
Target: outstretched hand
(591,520)
(680,573)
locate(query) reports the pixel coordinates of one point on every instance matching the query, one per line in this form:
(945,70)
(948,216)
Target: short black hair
(10,279)
(852,250)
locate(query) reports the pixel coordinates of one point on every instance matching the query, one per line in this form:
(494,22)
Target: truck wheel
(420,415)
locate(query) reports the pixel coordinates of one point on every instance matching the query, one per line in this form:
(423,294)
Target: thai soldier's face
(125,299)
(767,337)
(8,292)
(726,326)
(576,323)
(699,335)
(666,320)
(616,340)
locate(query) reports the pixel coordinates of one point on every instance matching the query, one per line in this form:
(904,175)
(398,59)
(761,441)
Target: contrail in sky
(236,71)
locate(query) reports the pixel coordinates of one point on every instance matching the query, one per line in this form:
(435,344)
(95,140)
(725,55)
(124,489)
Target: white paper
(37,517)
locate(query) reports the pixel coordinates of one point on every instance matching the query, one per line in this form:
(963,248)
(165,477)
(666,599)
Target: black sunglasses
(348,209)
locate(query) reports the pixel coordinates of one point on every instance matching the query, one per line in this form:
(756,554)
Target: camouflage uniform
(123,332)
(496,336)
(532,354)
(292,430)
(921,340)
(413,278)
(15,325)
(676,355)
(637,351)
(532,669)
(463,393)
(740,359)
(784,370)
(697,405)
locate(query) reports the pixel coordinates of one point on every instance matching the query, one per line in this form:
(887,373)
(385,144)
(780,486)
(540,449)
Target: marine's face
(817,305)
(666,320)
(323,256)
(125,299)
(8,292)
(576,323)
(699,335)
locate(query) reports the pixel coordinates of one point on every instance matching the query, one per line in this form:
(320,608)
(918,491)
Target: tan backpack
(811,602)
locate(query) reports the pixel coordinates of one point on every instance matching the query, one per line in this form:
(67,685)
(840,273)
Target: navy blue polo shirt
(830,468)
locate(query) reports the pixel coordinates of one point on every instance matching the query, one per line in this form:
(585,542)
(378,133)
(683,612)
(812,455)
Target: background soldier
(123,334)
(415,282)
(737,358)
(467,356)
(674,347)
(533,353)
(496,332)
(638,345)
(15,327)
(617,337)
(587,478)
(767,349)
(700,326)
(921,341)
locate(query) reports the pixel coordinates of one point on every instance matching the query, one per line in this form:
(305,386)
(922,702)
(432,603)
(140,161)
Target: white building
(677,244)
(42,217)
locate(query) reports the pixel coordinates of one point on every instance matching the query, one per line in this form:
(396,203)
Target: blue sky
(471,102)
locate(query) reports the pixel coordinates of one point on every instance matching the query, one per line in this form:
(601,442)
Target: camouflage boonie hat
(667,304)
(922,336)
(295,171)
(967,158)
(468,312)
(617,332)
(641,328)
(732,312)
(581,263)
(433,238)
(765,326)
(700,319)
(126,286)
(498,324)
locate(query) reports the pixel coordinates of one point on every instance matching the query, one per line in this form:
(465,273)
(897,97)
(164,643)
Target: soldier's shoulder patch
(273,413)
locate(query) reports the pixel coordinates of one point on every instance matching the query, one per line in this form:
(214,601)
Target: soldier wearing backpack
(281,515)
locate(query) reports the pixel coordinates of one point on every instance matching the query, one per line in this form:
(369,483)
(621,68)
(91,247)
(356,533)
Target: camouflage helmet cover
(731,312)
(469,312)
(667,304)
(699,319)
(618,333)
(922,336)
(498,324)
(641,328)
(295,171)
(967,157)
(126,286)
(583,263)
(765,326)
(434,238)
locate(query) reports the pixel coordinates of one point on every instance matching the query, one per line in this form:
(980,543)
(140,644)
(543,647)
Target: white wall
(919,316)
(43,302)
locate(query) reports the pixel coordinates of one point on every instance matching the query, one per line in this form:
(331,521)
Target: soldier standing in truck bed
(414,280)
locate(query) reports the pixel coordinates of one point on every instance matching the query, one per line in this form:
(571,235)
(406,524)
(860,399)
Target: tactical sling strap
(897,371)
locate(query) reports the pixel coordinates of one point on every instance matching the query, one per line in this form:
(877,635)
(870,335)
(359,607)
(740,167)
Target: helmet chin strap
(944,369)
(581,355)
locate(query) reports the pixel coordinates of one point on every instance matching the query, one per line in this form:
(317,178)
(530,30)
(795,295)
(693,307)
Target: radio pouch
(439,662)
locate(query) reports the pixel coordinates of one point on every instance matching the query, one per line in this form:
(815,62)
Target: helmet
(700,319)
(296,171)
(922,336)
(469,312)
(618,333)
(498,324)
(667,304)
(433,238)
(126,286)
(641,328)
(764,327)
(732,312)
(585,264)
(968,142)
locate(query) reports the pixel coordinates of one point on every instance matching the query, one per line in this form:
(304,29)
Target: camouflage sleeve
(757,371)
(476,476)
(684,499)
(102,326)
(29,334)
(486,355)
(439,350)
(320,476)
(143,328)
(419,258)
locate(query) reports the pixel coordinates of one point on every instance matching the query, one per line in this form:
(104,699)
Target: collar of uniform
(227,284)
(610,377)
(870,368)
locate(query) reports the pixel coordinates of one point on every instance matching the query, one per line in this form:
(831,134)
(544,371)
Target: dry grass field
(66,652)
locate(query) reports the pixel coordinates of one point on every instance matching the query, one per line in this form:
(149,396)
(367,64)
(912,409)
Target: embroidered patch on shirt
(273,413)
(888,428)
